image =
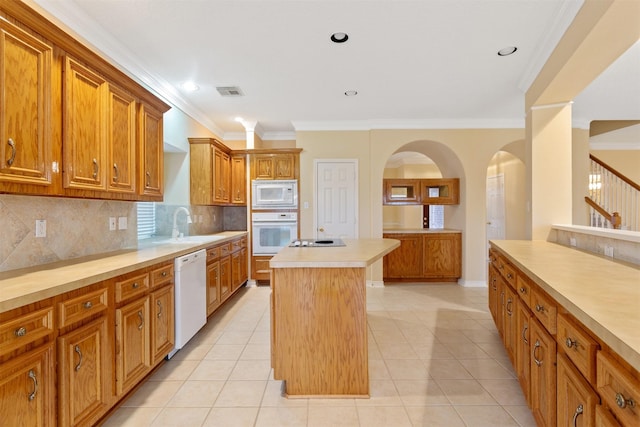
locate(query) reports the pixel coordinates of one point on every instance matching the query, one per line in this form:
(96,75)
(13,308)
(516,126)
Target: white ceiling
(428,63)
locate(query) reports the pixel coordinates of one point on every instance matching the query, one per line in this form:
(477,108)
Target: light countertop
(28,285)
(602,294)
(356,253)
(419,230)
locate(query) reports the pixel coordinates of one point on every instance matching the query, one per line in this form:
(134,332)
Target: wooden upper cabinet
(151,165)
(84,150)
(274,166)
(238,180)
(121,134)
(222,178)
(401,192)
(441,191)
(26,149)
(435,191)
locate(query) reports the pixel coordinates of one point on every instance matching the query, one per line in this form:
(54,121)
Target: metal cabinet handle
(77,350)
(115,173)
(524,331)
(533,353)
(96,168)
(32,375)
(87,305)
(539,308)
(509,310)
(623,402)
(523,290)
(509,276)
(570,343)
(148,183)
(135,285)
(163,274)
(159,309)
(13,152)
(579,411)
(141,316)
(20,332)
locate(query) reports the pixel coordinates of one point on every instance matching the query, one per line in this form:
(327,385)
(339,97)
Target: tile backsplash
(80,227)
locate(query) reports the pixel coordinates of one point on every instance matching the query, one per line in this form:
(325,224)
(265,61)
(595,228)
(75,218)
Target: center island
(319,317)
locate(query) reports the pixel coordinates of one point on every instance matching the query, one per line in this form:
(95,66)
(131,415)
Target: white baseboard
(375,284)
(473,283)
(251,283)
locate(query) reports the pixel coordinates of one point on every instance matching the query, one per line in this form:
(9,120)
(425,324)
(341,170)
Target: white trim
(629,145)
(367,125)
(472,283)
(626,235)
(375,284)
(251,284)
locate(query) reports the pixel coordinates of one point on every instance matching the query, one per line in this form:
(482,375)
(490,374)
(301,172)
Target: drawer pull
(508,307)
(96,169)
(159,309)
(135,285)
(533,353)
(622,402)
(509,276)
(87,305)
(163,274)
(539,308)
(32,375)
(523,290)
(524,331)
(571,343)
(77,350)
(20,332)
(141,316)
(579,411)
(13,152)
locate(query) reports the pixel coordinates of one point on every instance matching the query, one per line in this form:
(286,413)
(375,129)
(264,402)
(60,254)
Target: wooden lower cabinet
(225,277)
(84,367)
(213,286)
(523,349)
(260,270)
(576,399)
(425,257)
(493,292)
(509,321)
(133,334)
(163,322)
(27,395)
(543,375)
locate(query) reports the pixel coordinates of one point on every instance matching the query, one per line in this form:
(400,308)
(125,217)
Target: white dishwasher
(190,297)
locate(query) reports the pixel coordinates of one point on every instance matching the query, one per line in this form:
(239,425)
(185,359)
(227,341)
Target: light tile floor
(435,359)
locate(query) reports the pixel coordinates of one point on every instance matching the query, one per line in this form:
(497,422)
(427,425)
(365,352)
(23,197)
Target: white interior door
(336,199)
(495,208)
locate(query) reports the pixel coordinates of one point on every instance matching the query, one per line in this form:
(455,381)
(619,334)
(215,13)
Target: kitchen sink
(191,239)
(330,242)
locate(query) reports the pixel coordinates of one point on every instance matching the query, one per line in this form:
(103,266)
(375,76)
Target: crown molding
(367,125)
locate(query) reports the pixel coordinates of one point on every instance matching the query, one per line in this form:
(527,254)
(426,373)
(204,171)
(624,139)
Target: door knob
(321,230)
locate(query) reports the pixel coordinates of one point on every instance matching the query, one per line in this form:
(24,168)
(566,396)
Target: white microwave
(274,194)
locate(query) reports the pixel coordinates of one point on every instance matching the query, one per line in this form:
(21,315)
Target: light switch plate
(41,228)
(122,223)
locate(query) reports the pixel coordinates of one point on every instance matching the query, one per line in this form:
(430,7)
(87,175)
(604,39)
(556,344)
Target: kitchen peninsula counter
(28,285)
(319,317)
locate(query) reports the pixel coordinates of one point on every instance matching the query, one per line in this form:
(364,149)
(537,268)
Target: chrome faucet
(175,232)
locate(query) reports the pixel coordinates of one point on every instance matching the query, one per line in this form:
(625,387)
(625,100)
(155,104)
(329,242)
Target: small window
(146,220)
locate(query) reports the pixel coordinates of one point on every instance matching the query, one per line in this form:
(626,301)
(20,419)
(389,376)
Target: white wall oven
(274,194)
(272,231)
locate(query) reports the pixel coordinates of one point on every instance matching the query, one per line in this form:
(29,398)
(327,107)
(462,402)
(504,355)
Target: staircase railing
(614,199)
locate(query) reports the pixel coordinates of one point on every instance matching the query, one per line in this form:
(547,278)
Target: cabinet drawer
(604,418)
(578,346)
(523,286)
(213,253)
(82,307)
(545,310)
(507,271)
(225,249)
(26,329)
(243,242)
(236,245)
(619,389)
(162,276)
(132,287)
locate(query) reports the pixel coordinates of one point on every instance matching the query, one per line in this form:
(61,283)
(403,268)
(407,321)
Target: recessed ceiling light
(506,51)
(239,119)
(189,86)
(351,93)
(339,37)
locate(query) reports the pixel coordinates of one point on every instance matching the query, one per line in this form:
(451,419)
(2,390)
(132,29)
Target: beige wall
(627,162)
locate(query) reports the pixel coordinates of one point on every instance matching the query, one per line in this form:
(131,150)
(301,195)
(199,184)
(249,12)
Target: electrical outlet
(572,241)
(122,223)
(608,251)
(112,223)
(41,228)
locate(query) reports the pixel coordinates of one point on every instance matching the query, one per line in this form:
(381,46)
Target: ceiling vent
(229,91)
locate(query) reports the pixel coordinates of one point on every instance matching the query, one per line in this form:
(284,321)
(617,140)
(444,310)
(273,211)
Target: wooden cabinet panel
(493,292)
(523,349)
(545,310)
(578,346)
(441,191)
(510,326)
(162,275)
(163,318)
(84,150)
(260,267)
(523,287)
(604,418)
(442,255)
(406,261)
(25,329)
(225,278)
(213,286)
(133,356)
(221,178)
(26,388)
(619,389)
(274,166)
(576,399)
(131,286)
(84,364)
(401,192)
(26,151)
(121,141)
(82,307)
(238,180)
(543,375)
(151,166)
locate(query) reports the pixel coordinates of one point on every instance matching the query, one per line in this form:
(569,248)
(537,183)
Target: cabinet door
(84,128)
(213,286)
(442,255)
(151,162)
(263,167)
(236,271)
(121,141)
(244,267)
(543,375)
(493,292)
(162,316)
(25,122)
(201,185)
(238,180)
(26,388)
(83,381)
(405,261)
(225,278)
(576,399)
(401,192)
(133,356)
(523,348)
(284,166)
(441,191)
(510,322)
